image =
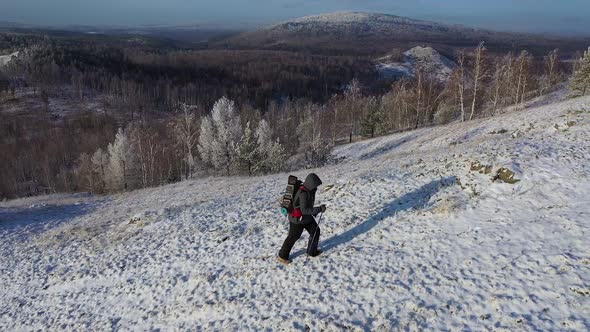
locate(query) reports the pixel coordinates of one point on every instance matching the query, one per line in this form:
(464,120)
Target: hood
(312,181)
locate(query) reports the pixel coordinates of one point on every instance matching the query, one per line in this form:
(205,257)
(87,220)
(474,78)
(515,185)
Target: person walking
(303,217)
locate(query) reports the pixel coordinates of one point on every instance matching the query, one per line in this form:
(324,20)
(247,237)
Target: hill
(418,236)
(373,33)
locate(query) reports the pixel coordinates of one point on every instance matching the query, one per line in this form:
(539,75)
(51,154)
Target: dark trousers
(295,231)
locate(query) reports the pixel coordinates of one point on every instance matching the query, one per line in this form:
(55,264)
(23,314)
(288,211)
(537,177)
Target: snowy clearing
(427,57)
(5,59)
(414,239)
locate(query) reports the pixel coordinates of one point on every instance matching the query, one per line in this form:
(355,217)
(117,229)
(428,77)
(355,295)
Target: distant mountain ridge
(373,33)
(368,21)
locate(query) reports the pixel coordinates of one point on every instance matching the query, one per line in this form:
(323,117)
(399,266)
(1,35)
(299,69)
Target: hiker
(303,218)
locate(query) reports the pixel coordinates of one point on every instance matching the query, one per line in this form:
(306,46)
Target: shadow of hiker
(388,147)
(413,200)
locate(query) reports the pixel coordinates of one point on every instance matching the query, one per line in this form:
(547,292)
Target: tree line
(105,152)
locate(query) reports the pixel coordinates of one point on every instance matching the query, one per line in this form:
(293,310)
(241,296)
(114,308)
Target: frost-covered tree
(121,159)
(316,148)
(219,136)
(248,150)
(271,151)
(258,152)
(186,132)
(580,82)
(551,73)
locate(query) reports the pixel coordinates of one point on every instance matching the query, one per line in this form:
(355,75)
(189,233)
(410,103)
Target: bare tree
(496,85)
(523,64)
(100,164)
(403,94)
(146,142)
(479,73)
(550,71)
(460,80)
(335,107)
(186,131)
(418,92)
(552,66)
(84,174)
(312,142)
(353,95)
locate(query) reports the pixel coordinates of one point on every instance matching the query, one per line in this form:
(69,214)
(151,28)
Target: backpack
(288,208)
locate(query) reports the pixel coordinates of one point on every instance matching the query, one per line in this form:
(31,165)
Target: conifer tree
(270,152)
(248,155)
(580,82)
(374,121)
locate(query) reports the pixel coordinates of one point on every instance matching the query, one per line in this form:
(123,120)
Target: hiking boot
(283,261)
(317,253)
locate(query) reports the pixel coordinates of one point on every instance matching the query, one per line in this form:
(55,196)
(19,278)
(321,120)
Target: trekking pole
(319,220)
(317,228)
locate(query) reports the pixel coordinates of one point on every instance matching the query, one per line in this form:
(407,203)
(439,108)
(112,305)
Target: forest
(80,115)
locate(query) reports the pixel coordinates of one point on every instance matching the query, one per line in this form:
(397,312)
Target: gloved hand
(323,207)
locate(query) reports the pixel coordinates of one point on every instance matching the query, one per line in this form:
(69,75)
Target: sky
(553,16)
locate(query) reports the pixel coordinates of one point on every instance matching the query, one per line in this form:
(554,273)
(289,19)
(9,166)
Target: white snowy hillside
(363,22)
(346,18)
(428,58)
(417,237)
(5,59)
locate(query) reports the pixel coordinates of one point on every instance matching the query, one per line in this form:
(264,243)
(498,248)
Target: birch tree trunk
(478,75)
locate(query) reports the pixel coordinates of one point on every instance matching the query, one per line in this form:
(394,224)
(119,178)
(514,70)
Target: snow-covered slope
(413,240)
(347,20)
(358,33)
(5,59)
(428,58)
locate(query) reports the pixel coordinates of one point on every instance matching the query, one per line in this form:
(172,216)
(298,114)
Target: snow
(346,18)
(427,57)
(5,59)
(413,240)
(342,17)
(353,22)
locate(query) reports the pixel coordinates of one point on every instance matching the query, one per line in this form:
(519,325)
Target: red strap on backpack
(297,211)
